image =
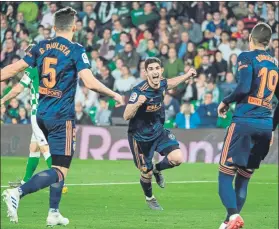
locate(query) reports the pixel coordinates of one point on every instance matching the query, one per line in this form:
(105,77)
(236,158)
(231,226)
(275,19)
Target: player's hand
(141,100)
(272,138)
(222,110)
(119,100)
(191,73)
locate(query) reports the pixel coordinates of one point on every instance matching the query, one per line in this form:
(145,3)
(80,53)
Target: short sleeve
(31,54)
(164,83)
(27,78)
(134,96)
(81,59)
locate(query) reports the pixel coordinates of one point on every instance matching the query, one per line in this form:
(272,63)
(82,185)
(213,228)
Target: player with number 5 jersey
(60,63)
(249,136)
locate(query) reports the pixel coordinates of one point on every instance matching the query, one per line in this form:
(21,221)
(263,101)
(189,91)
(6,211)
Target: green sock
(48,159)
(31,166)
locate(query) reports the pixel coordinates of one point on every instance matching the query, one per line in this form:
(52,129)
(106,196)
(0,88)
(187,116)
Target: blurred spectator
(91,40)
(233,49)
(241,10)
(94,58)
(8,52)
(142,73)
(163,13)
(106,78)
(212,88)
(142,46)
(243,43)
(124,39)
(174,30)
(174,66)
(5,119)
(149,18)
(271,20)
(136,13)
(181,47)
(224,47)
(23,46)
(229,85)
(200,85)
(106,45)
(198,11)
(126,82)
(116,73)
(104,11)
(151,51)
(117,30)
(207,68)
(130,57)
(47,20)
(171,106)
(23,119)
(215,41)
(261,9)
(207,112)
(80,34)
(191,92)
(162,31)
(86,97)
(239,30)
(190,54)
(220,65)
(103,117)
(206,21)
(193,29)
(213,25)
(46,33)
(184,119)
(163,56)
(13,108)
(233,64)
(81,117)
(89,13)
(40,35)
(198,57)
(252,19)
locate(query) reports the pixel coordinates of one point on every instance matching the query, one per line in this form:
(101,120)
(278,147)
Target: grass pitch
(96,199)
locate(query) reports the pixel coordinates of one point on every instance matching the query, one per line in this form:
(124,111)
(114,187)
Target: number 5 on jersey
(48,70)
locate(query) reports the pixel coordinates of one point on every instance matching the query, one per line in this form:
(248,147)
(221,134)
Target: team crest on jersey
(171,136)
(133,97)
(85,58)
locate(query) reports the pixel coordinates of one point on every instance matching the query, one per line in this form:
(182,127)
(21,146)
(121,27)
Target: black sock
(146,186)
(164,164)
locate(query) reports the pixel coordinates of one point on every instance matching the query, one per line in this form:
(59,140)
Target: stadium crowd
(119,36)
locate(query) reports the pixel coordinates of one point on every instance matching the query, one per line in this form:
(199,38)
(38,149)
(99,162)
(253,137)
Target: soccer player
(146,132)
(38,141)
(248,138)
(60,62)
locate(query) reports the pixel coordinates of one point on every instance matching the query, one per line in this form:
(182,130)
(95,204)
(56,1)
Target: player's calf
(174,158)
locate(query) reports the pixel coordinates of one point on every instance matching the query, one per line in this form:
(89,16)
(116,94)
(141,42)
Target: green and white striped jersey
(30,80)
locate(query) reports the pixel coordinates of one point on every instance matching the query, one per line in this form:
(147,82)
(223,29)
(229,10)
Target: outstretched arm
(12,69)
(17,89)
(92,83)
(174,82)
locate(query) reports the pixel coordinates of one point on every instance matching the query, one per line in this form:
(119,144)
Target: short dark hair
(152,60)
(64,18)
(25,31)
(261,34)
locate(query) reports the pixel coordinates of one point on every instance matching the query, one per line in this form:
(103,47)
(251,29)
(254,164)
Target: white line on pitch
(133,183)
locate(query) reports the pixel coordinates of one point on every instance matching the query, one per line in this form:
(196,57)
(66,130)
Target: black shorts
(62,160)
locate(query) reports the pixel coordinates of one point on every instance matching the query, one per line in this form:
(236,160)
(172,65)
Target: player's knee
(62,170)
(33,147)
(44,149)
(176,157)
(147,174)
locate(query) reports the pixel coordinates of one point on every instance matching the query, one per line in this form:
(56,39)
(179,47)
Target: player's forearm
(12,70)
(130,111)
(276,117)
(13,93)
(174,82)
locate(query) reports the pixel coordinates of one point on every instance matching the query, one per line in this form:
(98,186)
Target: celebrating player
(146,132)
(59,62)
(248,138)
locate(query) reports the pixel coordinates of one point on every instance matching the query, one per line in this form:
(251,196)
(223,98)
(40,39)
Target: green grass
(190,205)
